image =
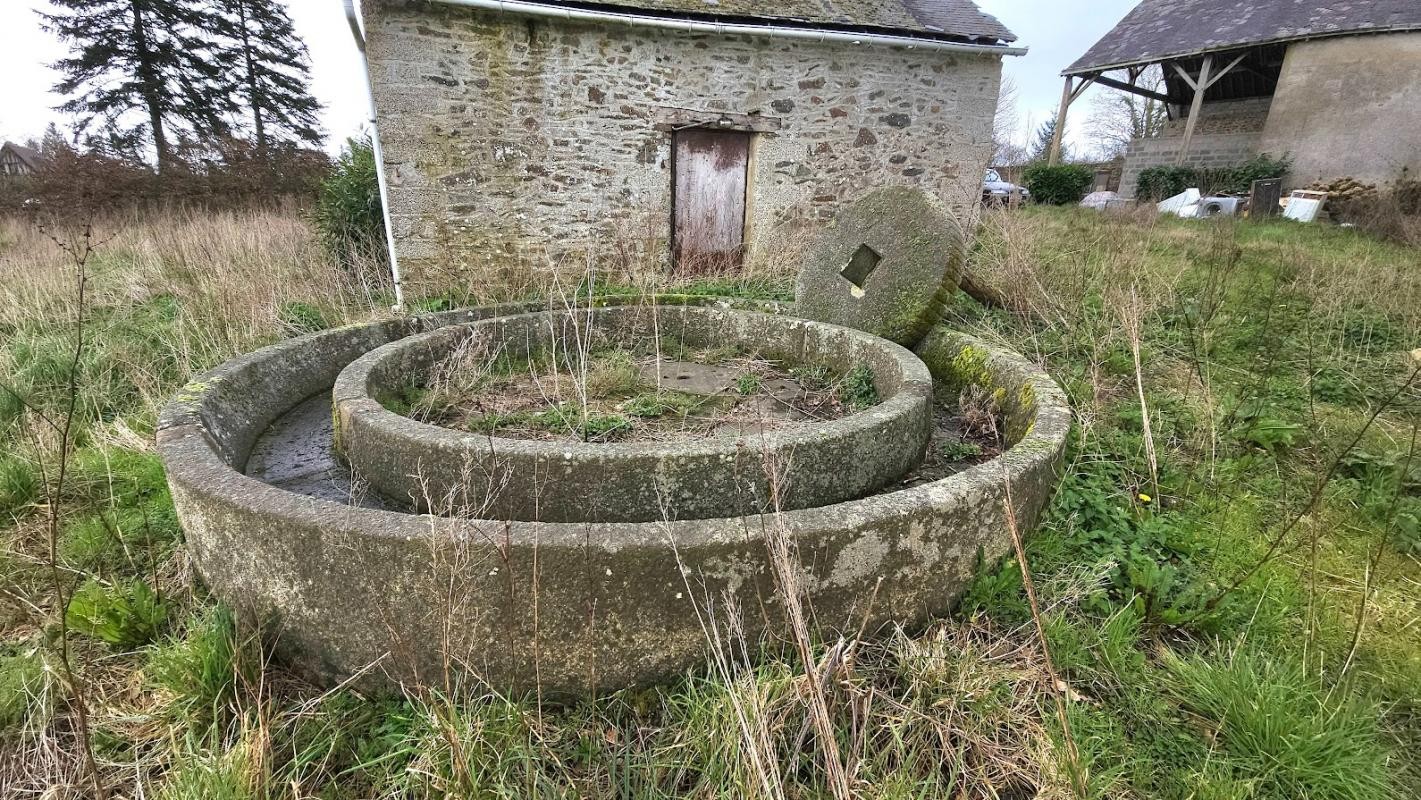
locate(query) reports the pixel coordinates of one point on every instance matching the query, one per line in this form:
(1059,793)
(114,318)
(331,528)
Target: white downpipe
(778,31)
(353,18)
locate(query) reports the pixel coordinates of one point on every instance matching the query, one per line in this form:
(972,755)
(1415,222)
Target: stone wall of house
(1349,107)
(514,143)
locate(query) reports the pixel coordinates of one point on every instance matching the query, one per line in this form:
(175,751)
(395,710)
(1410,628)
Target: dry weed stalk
(787,569)
(1132,314)
(79,247)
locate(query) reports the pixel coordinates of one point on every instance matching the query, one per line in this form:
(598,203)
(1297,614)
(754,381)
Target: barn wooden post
(1199,86)
(1071,93)
(1060,123)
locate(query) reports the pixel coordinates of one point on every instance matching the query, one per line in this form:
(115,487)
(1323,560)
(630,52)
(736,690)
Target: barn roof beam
(1131,88)
(1200,85)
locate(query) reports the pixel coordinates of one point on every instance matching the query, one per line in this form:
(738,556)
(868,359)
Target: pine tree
(156,58)
(1041,145)
(54,143)
(274,72)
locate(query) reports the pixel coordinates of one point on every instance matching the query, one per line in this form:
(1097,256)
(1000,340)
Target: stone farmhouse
(1336,85)
(704,135)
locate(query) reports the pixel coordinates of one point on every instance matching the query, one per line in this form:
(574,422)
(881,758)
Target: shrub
(124,615)
(348,212)
(227,173)
(1058,185)
(1239,178)
(1157,183)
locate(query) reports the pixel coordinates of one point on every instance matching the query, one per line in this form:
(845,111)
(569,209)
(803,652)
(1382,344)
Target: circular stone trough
(498,477)
(564,607)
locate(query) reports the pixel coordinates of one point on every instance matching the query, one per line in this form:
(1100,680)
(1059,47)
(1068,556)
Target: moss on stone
(968,368)
(192,394)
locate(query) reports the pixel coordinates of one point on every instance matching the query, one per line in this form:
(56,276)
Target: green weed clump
(748,383)
(125,615)
(613,374)
(857,390)
(21,682)
(19,484)
(1280,730)
(651,405)
(204,672)
(302,318)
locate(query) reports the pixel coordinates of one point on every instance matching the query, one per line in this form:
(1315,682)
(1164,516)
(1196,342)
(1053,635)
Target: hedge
(1157,183)
(1058,185)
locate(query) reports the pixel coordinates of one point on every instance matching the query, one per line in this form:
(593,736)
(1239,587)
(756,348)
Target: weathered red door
(711,171)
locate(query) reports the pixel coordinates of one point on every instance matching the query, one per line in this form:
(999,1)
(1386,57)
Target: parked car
(996,191)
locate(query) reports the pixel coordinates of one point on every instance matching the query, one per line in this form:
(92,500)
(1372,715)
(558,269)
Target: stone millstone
(887,266)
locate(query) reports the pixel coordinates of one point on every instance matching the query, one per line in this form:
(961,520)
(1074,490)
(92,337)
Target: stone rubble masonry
(516,144)
(1224,117)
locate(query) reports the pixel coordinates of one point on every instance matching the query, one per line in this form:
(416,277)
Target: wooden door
(711,173)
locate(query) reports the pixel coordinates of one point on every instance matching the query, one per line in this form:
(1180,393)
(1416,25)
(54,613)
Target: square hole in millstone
(861,264)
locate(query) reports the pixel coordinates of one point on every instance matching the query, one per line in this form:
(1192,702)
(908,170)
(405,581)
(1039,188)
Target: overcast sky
(1056,31)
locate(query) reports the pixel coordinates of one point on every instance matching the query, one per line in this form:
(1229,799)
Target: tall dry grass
(229,271)
(964,709)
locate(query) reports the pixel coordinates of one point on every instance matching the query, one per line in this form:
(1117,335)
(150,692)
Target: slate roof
(28,155)
(938,19)
(1159,30)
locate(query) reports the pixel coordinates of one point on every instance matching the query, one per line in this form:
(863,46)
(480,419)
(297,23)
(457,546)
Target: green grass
(204,672)
(748,383)
(1178,690)
(856,390)
(21,682)
(1279,729)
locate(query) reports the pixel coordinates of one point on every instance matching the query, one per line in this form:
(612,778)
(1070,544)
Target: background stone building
(704,136)
(1335,85)
(17,160)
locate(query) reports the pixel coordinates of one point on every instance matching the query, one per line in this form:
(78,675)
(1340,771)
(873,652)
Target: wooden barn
(1335,86)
